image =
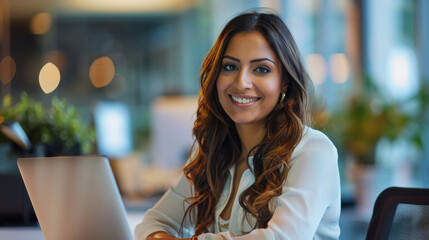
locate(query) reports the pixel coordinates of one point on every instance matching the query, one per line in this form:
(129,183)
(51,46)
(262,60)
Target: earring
(283,97)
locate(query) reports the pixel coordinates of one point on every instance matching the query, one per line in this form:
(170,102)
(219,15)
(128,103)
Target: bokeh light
(101,72)
(402,72)
(339,67)
(49,78)
(7,69)
(41,23)
(316,67)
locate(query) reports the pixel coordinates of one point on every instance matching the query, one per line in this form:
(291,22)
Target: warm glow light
(316,67)
(272,4)
(339,67)
(7,69)
(40,23)
(101,72)
(125,6)
(49,78)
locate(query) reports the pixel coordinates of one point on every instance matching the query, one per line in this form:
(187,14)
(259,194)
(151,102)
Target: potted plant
(360,123)
(367,117)
(58,128)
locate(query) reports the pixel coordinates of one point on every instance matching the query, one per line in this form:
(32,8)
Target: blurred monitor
(113,129)
(171,134)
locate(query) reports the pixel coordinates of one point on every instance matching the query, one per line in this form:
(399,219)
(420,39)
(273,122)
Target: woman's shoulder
(314,140)
(311,133)
(314,156)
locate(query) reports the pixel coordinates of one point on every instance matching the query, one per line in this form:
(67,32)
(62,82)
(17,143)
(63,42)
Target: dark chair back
(400,213)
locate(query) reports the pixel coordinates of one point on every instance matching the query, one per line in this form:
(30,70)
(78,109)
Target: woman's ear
(283,91)
(284,87)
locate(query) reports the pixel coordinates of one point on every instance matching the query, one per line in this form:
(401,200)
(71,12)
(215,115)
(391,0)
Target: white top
(309,207)
(223,225)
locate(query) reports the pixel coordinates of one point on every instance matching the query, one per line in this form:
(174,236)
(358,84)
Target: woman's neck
(250,135)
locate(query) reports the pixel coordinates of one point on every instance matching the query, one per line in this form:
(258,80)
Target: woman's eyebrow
(262,59)
(232,58)
(252,61)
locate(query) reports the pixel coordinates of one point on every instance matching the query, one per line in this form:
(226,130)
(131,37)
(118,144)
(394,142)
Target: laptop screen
(75,197)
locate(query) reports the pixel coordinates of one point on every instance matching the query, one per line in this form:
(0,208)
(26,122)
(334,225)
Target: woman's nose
(243,80)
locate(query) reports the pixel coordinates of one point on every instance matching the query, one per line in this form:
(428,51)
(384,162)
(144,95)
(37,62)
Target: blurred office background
(120,78)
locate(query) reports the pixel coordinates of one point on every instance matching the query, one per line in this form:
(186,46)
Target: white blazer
(309,207)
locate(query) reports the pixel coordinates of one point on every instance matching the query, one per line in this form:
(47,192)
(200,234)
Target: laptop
(75,198)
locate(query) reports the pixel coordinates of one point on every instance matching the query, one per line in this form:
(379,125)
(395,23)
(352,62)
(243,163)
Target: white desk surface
(35,233)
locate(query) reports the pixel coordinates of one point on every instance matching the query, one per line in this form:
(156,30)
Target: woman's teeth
(243,100)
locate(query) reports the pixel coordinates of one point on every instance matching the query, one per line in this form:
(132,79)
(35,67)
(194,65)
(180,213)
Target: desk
(135,209)
(21,233)
(35,233)
(351,228)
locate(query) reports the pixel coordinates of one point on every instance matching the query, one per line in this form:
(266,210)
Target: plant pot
(363,178)
(369,181)
(57,149)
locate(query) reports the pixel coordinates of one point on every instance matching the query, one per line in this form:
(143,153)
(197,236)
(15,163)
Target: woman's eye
(262,70)
(229,67)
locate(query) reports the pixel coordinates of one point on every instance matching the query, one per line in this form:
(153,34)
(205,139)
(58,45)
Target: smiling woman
(249,83)
(258,171)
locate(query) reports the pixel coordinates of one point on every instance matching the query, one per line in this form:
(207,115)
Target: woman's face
(249,83)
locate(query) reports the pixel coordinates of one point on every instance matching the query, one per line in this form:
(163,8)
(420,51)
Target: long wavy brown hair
(219,146)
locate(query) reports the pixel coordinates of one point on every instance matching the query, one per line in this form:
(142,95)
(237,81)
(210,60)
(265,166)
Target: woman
(258,171)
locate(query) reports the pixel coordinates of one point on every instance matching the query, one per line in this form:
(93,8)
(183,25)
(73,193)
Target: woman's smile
(243,100)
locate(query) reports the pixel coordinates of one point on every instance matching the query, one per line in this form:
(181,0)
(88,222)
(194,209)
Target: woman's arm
(164,236)
(166,216)
(160,235)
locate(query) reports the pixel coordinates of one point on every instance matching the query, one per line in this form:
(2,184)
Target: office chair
(400,213)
